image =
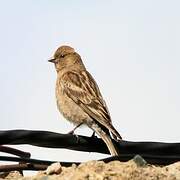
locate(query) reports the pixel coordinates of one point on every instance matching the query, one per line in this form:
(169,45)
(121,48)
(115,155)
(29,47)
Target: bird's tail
(114,133)
(105,137)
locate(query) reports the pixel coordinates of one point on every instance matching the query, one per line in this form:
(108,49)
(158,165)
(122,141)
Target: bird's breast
(68,108)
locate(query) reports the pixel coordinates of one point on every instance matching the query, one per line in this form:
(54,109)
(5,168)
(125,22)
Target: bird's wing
(83,90)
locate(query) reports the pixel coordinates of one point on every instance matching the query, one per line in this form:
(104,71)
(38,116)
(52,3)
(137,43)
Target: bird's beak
(52,60)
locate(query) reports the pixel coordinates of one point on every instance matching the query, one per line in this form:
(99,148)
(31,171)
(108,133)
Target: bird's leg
(72,131)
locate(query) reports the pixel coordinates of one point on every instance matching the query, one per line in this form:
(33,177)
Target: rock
(14,175)
(54,168)
(139,161)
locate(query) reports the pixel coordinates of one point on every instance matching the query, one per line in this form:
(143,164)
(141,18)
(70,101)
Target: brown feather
(83,90)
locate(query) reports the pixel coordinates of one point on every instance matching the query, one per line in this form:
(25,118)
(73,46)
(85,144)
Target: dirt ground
(98,170)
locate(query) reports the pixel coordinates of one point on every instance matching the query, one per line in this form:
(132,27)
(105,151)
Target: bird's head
(61,53)
(65,56)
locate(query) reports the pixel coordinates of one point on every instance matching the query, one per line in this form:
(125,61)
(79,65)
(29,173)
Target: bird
(79,99)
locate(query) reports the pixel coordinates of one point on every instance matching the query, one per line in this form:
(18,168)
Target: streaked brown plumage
(78,96)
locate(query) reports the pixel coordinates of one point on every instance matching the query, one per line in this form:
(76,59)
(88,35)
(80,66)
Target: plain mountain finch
(78,96)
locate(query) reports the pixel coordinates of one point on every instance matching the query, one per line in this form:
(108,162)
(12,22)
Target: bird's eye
(62,56)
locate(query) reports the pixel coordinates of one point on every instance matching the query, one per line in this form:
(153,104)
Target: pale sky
(132,49)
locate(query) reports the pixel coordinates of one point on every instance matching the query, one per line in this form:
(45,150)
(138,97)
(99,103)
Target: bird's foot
(77,138)
(71,132)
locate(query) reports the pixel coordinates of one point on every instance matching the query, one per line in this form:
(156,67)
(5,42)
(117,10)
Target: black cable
(156,152)
(52,140)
